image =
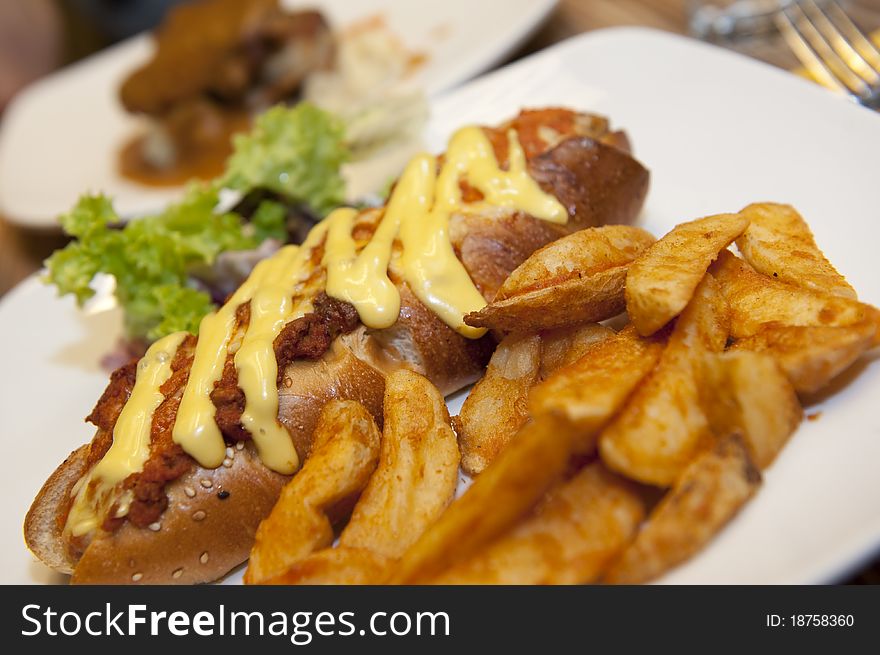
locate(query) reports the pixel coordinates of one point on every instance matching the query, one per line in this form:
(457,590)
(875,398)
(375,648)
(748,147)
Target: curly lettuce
(295,152)
(150,258)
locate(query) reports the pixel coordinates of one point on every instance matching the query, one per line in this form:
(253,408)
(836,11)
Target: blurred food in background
(218,63)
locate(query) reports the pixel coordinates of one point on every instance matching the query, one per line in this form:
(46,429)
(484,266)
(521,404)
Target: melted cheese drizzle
(269,289)
(131,439)
(417,215)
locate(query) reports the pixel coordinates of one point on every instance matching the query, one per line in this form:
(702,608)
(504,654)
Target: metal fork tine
(811,36)
(833,34)
(860,42)
(805,53)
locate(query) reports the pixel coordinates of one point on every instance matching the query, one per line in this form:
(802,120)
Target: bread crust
(202,535)
(42,525)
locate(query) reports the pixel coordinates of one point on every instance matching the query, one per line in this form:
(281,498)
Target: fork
(832,48)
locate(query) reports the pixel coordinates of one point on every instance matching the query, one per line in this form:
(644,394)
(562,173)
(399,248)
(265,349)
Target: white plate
(717,131)
(59,138)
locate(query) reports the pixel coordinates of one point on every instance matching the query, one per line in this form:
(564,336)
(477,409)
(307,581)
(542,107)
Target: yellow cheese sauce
(417,217)
(131,440)
(195,429)
(418,214)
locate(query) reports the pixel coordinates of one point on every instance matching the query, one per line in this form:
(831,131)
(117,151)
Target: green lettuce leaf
(296,152)
(150,258)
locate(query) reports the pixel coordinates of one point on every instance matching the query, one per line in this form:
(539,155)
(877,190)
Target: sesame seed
(239,445)
(155,526)
(189,491)
(177,573)
(223,495)
(229,452)
(204,557)
(206,483)
(288,382)
(199,515)
(137,577)
(227,462)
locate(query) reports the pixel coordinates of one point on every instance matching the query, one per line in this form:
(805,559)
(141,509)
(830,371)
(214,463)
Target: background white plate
(59,138)
(717,131)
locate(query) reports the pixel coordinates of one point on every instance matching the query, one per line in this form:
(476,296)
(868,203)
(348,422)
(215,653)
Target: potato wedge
(568,539)
(811,357)
(873,317)
(591,390)
(565,346)
(335,566)
(576,279)
(662,427)
(344,455)
(779,243)
(746,393)
(578,300)
(417,472)
(580,254)
(757,301)
(662,280)
(709,493)
(497,406)
(534,459)
(597,385)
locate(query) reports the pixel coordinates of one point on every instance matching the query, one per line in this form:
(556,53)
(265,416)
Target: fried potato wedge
(662,280)
(568,539)
(873,317)
(497,406)
(779,243)
(662,427)
(585,299)
(533,460)
(565,346)
(746,393)
(417,472)
(709,493)
(592,389)
(577,279)
(811,356)
(335,566)
(344,455)
(757,301)
(580,254)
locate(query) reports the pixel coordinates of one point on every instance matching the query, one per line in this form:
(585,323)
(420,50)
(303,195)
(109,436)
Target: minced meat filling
(108,408)
(310,337)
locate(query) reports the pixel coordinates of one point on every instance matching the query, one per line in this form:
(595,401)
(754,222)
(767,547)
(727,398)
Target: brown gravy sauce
(204,162)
